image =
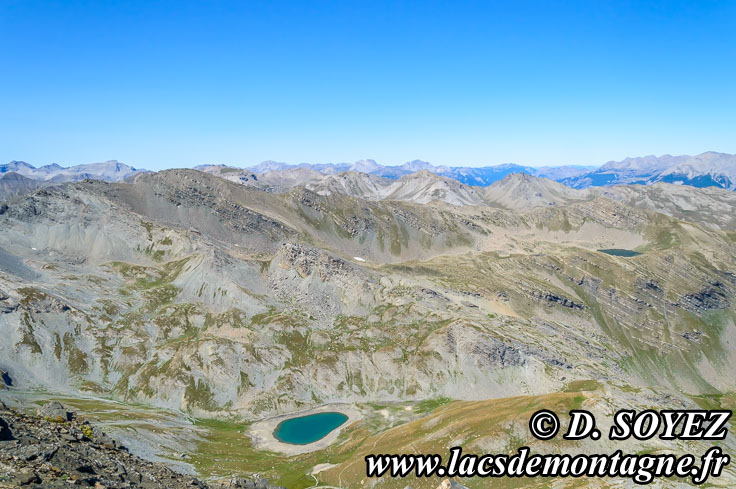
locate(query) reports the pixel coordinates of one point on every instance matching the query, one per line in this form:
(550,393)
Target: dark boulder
(5,433)
(55,411)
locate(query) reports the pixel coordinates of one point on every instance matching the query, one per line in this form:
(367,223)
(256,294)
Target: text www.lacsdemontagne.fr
(642,469)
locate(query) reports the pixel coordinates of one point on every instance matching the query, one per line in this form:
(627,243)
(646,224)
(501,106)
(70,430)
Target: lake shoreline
(262,432)
(311,428)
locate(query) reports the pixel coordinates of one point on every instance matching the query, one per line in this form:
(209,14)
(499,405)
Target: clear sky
(175,84)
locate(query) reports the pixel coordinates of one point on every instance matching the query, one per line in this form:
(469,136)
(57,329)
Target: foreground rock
(58,449)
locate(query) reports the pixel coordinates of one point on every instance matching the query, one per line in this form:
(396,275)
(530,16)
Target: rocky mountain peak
(521,191)
(365,166)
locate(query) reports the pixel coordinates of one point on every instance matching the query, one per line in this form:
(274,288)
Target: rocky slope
(710,206)
(421,187)
(187,291)
(520,191)
(231,174)
(13,184)
(55,449)
(362,185)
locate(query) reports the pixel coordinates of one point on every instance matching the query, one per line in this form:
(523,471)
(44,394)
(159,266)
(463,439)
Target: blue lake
(308,429)
(620,252)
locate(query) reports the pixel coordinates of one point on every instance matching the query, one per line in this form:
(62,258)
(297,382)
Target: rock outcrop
(58,448)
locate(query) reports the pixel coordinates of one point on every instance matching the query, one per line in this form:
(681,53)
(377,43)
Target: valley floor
(218,450)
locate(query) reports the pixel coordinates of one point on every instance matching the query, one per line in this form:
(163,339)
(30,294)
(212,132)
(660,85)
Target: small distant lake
(308,429)
(620,252)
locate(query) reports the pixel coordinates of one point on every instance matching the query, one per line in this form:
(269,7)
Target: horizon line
(247,166)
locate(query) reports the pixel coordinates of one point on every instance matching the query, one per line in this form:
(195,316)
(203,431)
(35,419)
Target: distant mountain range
(481,177)
(111,171)
(709,169)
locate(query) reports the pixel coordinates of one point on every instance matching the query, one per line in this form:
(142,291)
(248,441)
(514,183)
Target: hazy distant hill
(709,169)
(110,171)
(13,184)
(704,170)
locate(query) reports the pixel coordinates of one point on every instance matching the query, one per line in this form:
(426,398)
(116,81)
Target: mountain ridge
(111,171)
(709,169)
(706,169)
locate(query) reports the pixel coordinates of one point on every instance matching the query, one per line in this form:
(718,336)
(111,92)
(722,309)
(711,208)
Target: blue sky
(175,84)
